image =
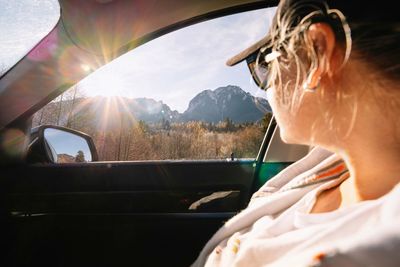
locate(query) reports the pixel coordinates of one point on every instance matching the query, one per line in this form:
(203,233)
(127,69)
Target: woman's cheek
(271,99)
(281,115)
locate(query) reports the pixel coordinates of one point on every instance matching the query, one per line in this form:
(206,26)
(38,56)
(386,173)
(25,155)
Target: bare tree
(71,109)
(59,109)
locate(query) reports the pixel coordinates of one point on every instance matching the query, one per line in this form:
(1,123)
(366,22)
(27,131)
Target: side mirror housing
(56,144)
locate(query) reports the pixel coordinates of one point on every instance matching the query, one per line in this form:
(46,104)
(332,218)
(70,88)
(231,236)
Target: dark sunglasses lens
(251,67)
(259,72)
(262,72)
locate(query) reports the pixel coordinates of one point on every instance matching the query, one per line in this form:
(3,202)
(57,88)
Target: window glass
(23,24)
(173,97)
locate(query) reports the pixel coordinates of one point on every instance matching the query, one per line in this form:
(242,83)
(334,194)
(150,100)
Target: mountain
(208,106)
(104,112)
(109,112)
(118,109)
(226,102)
(147,109)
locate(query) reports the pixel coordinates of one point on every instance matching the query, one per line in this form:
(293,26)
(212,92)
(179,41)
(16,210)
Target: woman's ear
(321,38)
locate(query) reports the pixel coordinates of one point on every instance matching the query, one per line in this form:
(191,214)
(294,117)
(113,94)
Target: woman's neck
(372,154)
(373,174)
(370,178)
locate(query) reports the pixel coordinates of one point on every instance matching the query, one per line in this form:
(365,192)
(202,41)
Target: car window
(280,152)
(23,24)
(173,97)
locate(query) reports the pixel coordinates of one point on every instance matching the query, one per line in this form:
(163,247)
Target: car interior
(109,213)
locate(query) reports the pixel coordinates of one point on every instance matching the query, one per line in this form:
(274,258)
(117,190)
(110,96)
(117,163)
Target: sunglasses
(259,64)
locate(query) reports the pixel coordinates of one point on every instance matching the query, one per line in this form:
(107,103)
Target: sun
(104,83)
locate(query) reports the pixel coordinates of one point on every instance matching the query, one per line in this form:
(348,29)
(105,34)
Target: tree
(143,127)
(228,123)
(165,124)
(71,109)
(80,156)
(265,121)
(59,109)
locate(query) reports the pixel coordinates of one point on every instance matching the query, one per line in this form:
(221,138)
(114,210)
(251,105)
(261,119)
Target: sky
(177,66)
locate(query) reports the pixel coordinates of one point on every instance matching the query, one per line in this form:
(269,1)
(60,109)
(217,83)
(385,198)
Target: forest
(119,136)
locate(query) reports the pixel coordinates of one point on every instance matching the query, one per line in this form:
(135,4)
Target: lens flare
(46,49)
(13,142)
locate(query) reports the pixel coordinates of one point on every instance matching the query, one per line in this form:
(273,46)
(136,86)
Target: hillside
(210,106)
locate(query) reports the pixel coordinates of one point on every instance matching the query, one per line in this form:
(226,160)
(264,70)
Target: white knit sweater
(276,229)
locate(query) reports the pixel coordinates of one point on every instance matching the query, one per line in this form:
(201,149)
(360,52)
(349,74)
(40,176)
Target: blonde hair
(287,35)
(373,43)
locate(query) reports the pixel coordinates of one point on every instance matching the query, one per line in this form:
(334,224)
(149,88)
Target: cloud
(177,66)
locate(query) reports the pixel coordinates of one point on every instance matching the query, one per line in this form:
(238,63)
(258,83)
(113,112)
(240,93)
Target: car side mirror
(55,144)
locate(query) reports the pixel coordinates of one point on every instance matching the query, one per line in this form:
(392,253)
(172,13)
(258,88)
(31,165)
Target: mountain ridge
(210,106)
(226,102)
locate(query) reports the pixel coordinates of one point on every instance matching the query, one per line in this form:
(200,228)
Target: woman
(332,74)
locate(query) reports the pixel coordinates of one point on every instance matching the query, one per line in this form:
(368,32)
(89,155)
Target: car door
(118,213)
(138,212)
(129,213)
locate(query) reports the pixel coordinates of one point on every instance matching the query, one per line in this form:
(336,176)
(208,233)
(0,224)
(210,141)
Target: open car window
(23,24)
(173,97)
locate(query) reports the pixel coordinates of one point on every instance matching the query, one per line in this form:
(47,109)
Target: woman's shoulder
(317,167)
(390,210)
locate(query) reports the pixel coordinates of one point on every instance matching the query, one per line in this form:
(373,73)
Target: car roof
(90,34)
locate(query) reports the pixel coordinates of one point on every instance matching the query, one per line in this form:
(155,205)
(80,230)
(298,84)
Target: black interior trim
(263,150)
(123,187)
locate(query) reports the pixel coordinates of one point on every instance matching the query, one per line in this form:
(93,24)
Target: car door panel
(121,213)
(110,240)
(99,187)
